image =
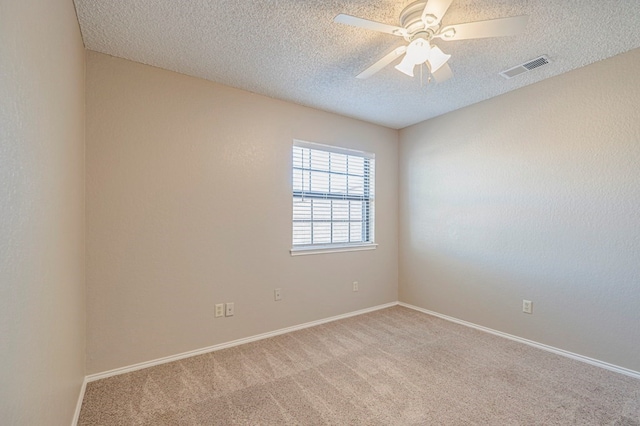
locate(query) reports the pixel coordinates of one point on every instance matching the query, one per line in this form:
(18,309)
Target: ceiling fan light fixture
(406,66)
(421,23)
(418,52)
(437,58)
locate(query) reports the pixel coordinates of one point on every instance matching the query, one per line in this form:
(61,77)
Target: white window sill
(335,248)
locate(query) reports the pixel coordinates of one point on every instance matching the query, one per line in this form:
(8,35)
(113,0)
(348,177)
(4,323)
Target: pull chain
(421,77)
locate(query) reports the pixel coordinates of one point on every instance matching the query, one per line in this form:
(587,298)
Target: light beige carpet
(390,367)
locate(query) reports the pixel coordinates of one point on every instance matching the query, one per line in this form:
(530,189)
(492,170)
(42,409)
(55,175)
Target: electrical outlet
(527,306)
(277,294)
(355,286)
(219,310)
(229,310)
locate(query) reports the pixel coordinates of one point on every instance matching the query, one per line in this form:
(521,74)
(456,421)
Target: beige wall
(189,204)
(532,195)
(42,308)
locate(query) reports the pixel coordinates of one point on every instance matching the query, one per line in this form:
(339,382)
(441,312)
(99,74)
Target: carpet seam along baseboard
(558,351)
(172,358)
(390,366)
(225,345)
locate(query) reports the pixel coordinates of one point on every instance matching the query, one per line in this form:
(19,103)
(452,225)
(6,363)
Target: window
(333,198)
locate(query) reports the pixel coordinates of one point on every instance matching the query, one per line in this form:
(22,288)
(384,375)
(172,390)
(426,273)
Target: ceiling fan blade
(434,10)
(481,29)
(383,62)
(369,25)
(443,74)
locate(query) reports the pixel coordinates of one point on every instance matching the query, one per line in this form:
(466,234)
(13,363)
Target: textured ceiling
(292,49)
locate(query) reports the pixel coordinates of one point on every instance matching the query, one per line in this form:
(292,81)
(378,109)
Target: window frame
(368,198)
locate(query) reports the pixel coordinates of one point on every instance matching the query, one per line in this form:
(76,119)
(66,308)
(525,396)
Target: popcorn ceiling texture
(292,50)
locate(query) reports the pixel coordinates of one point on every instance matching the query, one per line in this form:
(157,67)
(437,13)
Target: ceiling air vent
(527,66)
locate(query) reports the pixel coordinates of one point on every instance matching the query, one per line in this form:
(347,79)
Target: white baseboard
(597,363)
(76,415)
(164,360)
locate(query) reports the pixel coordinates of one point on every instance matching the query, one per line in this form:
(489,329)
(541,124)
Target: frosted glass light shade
(406,66)
(437,58)
(418,52)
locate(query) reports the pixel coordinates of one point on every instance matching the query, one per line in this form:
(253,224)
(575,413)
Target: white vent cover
(527,66)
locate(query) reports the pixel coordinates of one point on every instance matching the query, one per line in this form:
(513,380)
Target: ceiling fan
(420,26)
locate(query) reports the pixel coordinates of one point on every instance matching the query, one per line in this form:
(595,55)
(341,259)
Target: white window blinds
(333,196)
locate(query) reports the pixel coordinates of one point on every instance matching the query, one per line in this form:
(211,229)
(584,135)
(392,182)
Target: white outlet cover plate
(219,310)
(229,309)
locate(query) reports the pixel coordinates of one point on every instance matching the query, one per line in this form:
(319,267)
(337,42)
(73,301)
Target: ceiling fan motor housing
(420,24)
(411,19)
